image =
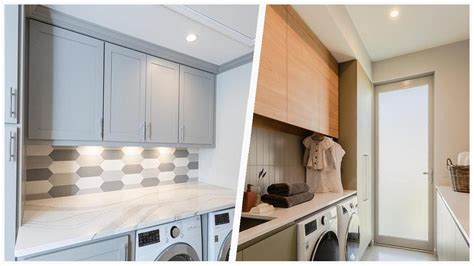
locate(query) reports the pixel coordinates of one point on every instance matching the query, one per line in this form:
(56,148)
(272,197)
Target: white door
(404,185)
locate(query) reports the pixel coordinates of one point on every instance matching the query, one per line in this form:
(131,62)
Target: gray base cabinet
(65,84)
(124,94)
(280,246)
(115,249)
(450,244)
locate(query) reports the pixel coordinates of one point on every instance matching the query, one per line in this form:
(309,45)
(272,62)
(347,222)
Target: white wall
(220,166)
(450,64)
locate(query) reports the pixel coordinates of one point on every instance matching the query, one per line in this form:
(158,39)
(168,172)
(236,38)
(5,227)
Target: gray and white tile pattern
(54,171)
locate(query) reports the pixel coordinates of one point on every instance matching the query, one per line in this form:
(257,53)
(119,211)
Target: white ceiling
(225,32)
(417,28)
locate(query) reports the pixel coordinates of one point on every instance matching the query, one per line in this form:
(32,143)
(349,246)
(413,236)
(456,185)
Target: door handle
(13,105)
(366,196)
(12,155)
(430,174)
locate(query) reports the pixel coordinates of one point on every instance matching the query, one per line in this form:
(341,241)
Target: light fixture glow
(394,13)
(191,37)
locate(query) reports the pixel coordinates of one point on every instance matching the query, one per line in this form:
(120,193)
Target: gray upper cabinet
(115,249)
(197,106)
(65,84)
(162,101)
(12,44)
(124,94)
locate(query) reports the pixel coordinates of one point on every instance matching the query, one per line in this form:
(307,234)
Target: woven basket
(459,176)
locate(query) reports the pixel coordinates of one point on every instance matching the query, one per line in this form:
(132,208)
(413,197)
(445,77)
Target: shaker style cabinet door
(115,249)
(162,101)
(124,93)
(12,44)
(65,84)
(197,106)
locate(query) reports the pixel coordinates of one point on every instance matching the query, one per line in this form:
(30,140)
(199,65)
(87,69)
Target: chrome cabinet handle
(148,130)
(184,131)
(12,155)
(366,196)
(13,105)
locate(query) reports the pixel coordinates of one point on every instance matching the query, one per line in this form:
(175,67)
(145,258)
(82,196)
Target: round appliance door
(353,238)
(178,252)
(225,248)
(327,248)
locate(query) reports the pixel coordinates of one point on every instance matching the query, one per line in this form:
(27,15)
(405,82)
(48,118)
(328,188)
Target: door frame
(400,85)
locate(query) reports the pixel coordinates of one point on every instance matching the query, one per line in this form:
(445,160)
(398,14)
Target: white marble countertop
(283,216)
(56,223)
(458,206)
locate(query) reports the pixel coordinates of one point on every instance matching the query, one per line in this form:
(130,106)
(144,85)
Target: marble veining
(283,216)
(50,224)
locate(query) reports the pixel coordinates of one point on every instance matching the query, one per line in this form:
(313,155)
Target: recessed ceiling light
(191,37)
(394,13)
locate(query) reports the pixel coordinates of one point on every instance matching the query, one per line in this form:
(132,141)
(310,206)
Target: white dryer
(317,237)
(348,229)
(175,241)
(219,235)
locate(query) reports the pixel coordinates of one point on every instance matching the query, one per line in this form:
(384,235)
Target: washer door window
(353,238)
(327,248)
(178,252)
(225,248)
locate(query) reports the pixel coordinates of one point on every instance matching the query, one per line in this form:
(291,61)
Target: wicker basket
(459,176)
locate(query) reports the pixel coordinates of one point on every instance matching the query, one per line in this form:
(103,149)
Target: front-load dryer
(175,241)
(219,235)
(348,229)
(317,237)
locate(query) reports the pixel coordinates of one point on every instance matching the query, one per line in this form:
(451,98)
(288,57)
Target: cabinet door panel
(11,178)
(278,247)
(197,105)
(12,44)
(271,92)
(303,78)
(124,85)
(162,97)
(329,108)
(65,84)
(115,249)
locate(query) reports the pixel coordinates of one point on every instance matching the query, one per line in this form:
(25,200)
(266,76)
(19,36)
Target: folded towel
(287,202)
(287,189)
(463,158)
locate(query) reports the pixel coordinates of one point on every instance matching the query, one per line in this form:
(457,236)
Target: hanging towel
(287,189)
(323,165)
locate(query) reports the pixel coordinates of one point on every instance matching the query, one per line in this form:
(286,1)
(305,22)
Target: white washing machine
(175,241)
(317,237)
(348,229)
(219,235)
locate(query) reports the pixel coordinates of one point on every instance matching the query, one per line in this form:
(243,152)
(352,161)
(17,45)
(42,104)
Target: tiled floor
(380,253)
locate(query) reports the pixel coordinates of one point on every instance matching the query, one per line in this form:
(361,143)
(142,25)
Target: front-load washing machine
(317,237)
(219,235)
(348,229)
(175,241)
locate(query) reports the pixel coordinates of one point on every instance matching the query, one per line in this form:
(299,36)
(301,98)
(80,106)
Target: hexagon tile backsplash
(53,171)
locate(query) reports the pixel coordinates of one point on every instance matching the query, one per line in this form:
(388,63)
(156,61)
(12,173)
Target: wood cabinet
(299,85)
(162,101)
(115,249)
(124,94)
(271,95)
(65,84)
(450,243)
(280,246)
(197,106)
(356,97)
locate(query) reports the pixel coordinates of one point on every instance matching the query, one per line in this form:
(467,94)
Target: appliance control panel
(148,238)
(222,218)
